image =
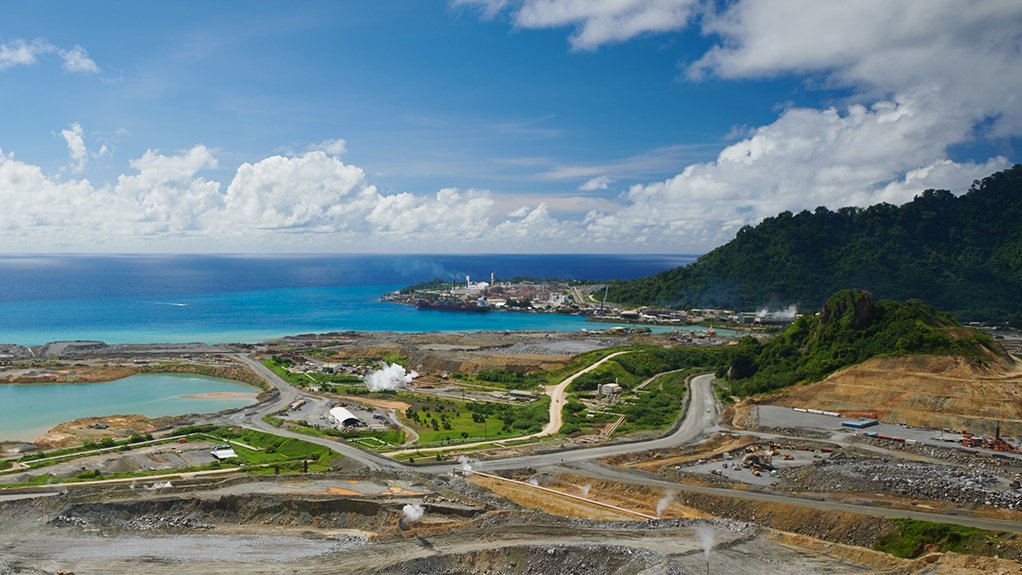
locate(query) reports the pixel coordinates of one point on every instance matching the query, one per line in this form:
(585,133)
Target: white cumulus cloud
(22,53)
(596,22)
(166,195)
(594,184)
(310,192)
(599,22)
(76,146)
(969,50)
(77,60)
(857,156)
(335,147)
(924,76)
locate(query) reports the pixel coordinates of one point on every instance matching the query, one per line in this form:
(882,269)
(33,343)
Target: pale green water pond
(28,411)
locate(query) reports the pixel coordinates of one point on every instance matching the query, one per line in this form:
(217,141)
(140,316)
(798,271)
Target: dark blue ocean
(218,299)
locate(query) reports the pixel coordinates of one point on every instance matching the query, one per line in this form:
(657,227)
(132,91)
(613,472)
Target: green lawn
(656,406)
(457,422)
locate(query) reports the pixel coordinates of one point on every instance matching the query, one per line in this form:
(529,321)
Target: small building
(862,423)
(521,395)
(344,418)
(610,389)
(222,452)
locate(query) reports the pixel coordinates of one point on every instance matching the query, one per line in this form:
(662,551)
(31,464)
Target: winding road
(700,420)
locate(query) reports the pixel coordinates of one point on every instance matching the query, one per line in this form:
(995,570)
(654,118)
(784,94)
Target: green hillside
(851,329)
(960,254)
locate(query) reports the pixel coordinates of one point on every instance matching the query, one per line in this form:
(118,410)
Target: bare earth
(921,391)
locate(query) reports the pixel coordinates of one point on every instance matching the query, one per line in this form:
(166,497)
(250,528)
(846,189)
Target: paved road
(700,420)
(253,419)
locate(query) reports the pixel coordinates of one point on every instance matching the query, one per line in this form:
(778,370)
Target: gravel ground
(974,484)
(188,548)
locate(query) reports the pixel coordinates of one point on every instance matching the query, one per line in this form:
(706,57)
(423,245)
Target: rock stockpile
(972,485)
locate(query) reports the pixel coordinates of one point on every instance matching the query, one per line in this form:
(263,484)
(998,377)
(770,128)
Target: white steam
(391,377)
(661,505)
(586,489)
(786,314)
(708,537)
(155,486)
(413,512)
(533,482)
(466,467)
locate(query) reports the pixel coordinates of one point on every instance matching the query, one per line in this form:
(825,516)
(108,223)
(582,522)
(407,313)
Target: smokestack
(468,281)
(491,279)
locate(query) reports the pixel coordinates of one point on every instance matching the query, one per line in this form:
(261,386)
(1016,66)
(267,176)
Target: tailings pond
(27,411)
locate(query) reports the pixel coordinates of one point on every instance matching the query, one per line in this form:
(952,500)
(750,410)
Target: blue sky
(485,125)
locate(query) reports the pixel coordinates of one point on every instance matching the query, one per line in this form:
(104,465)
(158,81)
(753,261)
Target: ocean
(247,299)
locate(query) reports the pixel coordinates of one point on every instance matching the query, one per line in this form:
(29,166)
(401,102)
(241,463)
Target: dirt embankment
(921,391)
(205,513)
(65,373)
(234,372)
(78,431)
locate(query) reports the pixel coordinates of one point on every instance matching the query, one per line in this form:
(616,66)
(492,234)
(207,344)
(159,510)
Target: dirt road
(557,395)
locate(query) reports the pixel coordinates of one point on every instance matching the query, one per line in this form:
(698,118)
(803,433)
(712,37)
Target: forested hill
(851,329)
(960,254)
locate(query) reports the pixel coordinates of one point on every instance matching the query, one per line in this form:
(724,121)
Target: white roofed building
(344,418)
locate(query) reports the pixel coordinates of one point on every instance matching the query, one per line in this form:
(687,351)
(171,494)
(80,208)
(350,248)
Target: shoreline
(221,395)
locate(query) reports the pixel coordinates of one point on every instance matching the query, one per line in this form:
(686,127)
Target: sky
(476,126)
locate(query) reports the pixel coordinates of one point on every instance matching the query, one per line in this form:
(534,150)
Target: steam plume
(466,467)
(661,505)
(412,512)
(708,537)
(786,314)
(391,377)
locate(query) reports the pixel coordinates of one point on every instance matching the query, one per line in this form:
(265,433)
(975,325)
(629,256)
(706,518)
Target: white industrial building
(344,418)
(222,452)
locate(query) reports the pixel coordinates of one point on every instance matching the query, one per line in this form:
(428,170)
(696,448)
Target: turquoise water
(253,316)
(247,299)
(248,316)
(28,411)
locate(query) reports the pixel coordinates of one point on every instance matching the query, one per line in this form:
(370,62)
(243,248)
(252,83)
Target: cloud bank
(923,76)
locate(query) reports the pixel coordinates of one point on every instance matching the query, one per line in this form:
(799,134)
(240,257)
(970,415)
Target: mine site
(515,452)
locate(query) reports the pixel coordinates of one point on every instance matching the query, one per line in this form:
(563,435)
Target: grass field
(445,421)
